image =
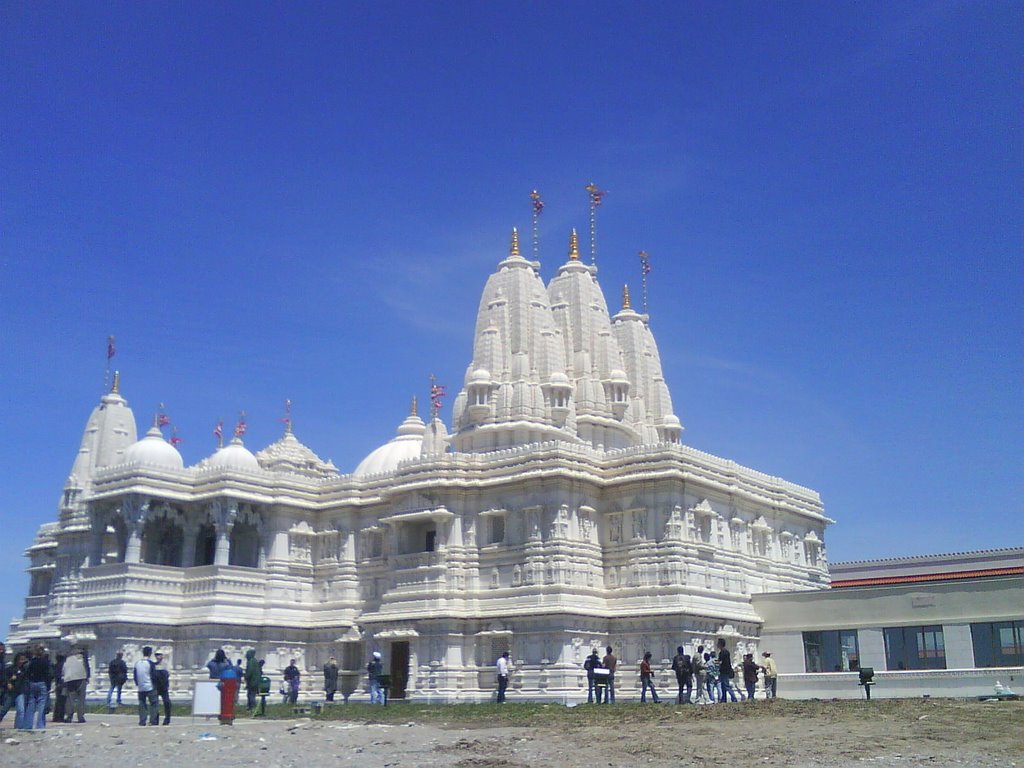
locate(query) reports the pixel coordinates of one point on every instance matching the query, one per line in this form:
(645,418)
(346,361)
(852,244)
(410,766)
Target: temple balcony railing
(146,592)
(207,582)
(436,559)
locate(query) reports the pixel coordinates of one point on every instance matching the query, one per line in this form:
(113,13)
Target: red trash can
(228,694)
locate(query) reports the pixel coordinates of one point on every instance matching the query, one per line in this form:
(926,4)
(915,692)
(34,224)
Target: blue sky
(266,201)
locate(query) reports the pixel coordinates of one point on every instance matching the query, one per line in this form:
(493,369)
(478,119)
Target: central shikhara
(561,513)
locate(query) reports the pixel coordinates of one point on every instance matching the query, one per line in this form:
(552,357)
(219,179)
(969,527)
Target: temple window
(496,532)
(206,544)
(162,541)
(245,545)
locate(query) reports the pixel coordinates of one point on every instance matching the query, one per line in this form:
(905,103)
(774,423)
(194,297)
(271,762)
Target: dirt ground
(848,733)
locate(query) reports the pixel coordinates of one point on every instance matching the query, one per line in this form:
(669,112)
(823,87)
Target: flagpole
(645,269)
(111,351)
(595,200)
(538,206)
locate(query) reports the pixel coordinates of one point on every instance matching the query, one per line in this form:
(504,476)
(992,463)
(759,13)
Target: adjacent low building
(939,625)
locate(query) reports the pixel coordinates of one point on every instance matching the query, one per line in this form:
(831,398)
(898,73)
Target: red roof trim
(911,579)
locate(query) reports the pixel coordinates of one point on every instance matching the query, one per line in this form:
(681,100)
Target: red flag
(240,428)
(218,431)
(111,350)
(175,440)
(163,420)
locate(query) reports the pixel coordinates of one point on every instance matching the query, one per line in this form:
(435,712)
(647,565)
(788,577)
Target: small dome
(482,375)
(559,379)
(406,445)
(671,420)
(234,455)
(619,375)
(154,451)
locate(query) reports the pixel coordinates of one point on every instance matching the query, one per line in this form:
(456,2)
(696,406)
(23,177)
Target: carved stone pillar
(224,515)
(222,555)
(97,534)
(189,531)
(133,552)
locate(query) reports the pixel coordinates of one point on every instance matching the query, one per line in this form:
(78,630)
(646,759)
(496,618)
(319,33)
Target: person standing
(725,672)
(749,667)
(253,673)
(592,662)
(76,678)
(60,694)
(292,677)
(683,668)
(218,664)
(148,700)
(503,670)
(699,675)
(17,688)
(610,662)
(331,678)
(40,677)
(373,672)
(162,685)
(6,702)
(646,680)
(771,676)
(711,676)
(117,671)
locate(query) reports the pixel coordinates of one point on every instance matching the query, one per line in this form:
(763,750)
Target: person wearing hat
(771,675)
(374,670)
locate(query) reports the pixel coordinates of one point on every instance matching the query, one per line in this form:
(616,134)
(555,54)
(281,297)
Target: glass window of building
(998,644)
(832,650)
(914,648)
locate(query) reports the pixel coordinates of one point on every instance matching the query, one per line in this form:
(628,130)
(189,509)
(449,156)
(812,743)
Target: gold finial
(574,246)
(116,389)
(514,249)
(413,412)
(625,297)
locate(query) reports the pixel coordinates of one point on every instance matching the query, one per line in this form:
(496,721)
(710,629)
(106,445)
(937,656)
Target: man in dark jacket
(118,672)
(331,678)
(683,667)
(162,684)
(592,662)
(6,701)
(39,673)
(725,671)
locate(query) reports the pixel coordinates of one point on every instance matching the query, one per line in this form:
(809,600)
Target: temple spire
(625,297)
(115,389)
(574,246)
(514,248)
(414,410)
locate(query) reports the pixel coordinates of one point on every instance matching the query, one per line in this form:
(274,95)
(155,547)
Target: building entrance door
(399,669)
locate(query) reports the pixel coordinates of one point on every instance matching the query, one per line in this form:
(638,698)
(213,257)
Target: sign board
(206,699)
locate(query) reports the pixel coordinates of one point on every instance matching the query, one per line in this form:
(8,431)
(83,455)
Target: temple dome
(234,455)
(152,450)
(407,444)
